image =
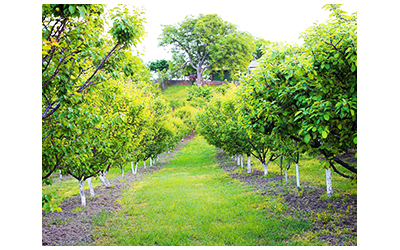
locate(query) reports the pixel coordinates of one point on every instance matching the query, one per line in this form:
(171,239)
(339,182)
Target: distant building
(253,64)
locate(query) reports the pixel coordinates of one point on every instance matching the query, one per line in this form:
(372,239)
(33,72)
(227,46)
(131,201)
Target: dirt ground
(336,219)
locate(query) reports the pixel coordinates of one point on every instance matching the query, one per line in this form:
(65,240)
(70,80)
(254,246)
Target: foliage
(208,42)
(260,47)
(159,65)
(309,92)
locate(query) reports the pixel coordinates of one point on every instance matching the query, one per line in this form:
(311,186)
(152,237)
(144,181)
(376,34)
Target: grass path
(191,201)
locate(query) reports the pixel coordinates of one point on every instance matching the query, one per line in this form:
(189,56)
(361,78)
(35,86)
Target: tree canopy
(208,42)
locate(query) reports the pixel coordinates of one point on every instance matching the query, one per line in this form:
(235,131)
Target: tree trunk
(151,162)
(297,175)
(248,164)
(133,170)
(144,164)
(60,175)
(238,160)
(265,168)
(329,190)
(103,179)
(158,158)
(89,181)
(241,161)
(286,171)
(81,193)
(199,78)
(286,175)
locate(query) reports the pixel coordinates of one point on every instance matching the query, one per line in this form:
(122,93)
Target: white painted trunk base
(89,181)
(82,194)
(265,168)
(144,164)
(151,162)
(104,180)
(241,161)
(248,164)
(297,175)
(286,176)
(329,190)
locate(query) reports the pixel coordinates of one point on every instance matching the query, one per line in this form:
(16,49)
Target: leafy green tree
(208,42)
(76,55)
(161,68)
(75,51)
(309,92)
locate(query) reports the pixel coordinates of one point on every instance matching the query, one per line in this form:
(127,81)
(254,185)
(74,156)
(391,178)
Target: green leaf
(355,140)
(71,9)
(353,68)
(327,66)
(307,138)
(326,117)
(82,11)
(324,134)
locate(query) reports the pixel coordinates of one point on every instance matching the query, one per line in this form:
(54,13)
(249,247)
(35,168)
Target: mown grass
(191,201)
(176,92)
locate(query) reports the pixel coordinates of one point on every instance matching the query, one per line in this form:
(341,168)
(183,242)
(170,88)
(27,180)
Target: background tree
(260,47)
(208,42)
(160,67)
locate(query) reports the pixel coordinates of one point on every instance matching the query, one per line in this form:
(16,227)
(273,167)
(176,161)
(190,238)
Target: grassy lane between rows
(191,201)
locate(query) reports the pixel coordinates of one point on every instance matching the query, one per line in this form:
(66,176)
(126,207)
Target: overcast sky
(271,20)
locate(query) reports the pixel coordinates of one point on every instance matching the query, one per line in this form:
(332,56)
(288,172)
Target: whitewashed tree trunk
(241,161)
(89,181)
(158,158)
(297,175)
(238,160)
(60,175)
(81,193)
(329,190)
(122,172)
(151,162)
(136,167)
(286,175)
(133,170)
(265,168)
(232,157)
(144,164)
(248,164)
(103,179)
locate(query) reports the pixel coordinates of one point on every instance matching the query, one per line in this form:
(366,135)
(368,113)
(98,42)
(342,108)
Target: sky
(271,20)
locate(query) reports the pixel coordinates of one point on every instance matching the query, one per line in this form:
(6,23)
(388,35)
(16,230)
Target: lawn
(191,201)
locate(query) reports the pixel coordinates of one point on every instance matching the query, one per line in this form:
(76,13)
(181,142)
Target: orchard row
(300,99)
(100,109)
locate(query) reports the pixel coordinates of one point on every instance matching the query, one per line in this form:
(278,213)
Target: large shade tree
(208,42)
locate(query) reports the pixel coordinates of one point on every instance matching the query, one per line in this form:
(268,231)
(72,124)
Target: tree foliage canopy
(208,42)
